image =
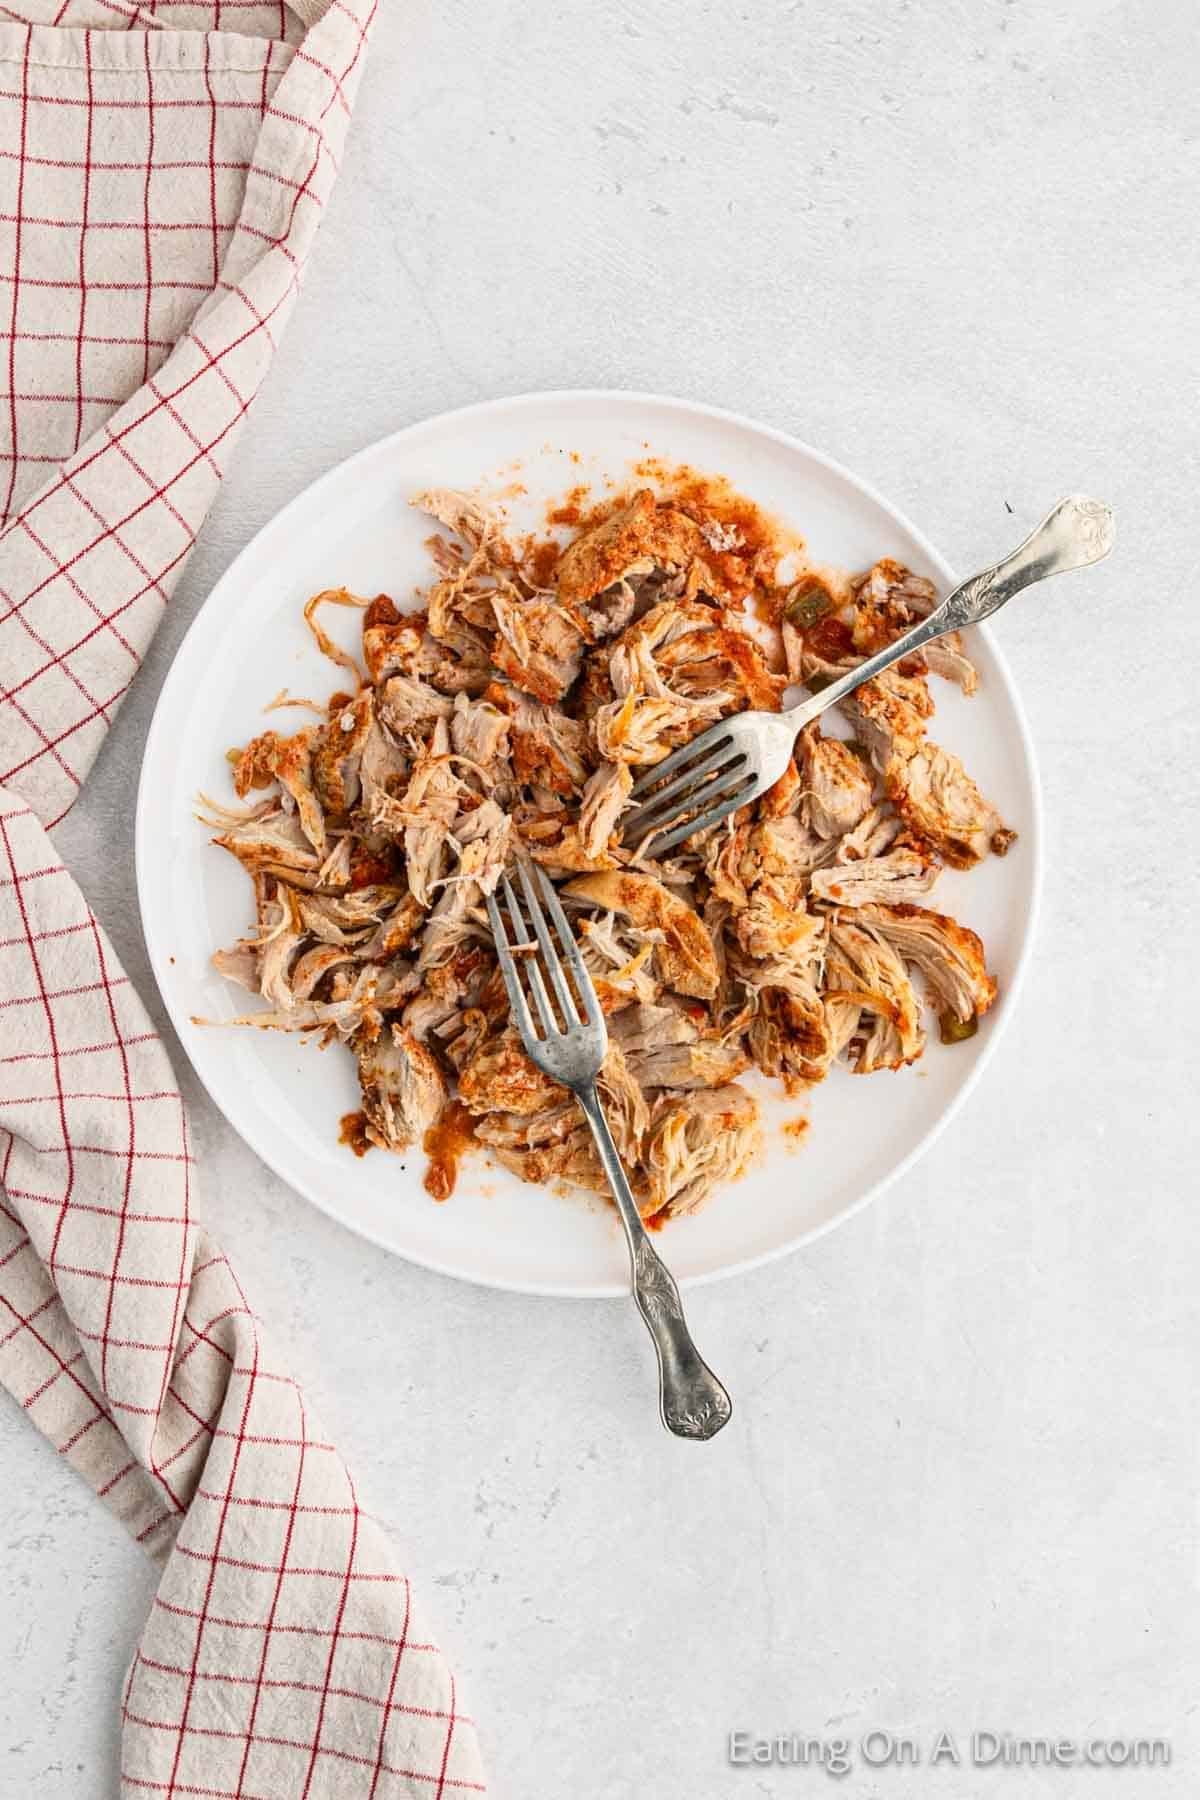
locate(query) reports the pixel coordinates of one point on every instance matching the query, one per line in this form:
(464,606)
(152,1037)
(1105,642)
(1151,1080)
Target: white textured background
(953,244)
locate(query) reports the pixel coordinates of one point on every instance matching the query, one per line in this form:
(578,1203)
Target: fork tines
(576,999)
(711,778)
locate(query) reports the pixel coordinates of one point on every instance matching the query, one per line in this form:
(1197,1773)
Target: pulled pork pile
(510,714)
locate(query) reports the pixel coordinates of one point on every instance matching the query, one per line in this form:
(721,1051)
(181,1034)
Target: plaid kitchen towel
(163,165)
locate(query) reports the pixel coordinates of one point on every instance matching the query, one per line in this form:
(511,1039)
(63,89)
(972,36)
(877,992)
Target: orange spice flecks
(571,509)
(368,869)
(762,540)
(540,560)
(746,543)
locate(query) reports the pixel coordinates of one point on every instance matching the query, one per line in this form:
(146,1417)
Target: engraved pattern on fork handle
(1076,532)
(692,1401)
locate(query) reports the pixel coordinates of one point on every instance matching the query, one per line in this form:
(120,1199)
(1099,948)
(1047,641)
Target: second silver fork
(569,1045)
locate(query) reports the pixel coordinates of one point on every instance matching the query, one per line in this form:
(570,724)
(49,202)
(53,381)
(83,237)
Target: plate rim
(1032,836)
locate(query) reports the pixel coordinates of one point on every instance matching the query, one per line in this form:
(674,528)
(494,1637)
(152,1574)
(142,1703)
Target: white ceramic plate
(353,527)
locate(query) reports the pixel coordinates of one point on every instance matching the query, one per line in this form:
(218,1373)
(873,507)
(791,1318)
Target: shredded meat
(943,808)
(697,1141)
(408,704)
(836,787)
(863,970)
(948,955)
(338,754)
(888,601)
(639,540)
(603,802)
(505,714)
(549,750)
(684,956)
(902,875)
(402,1089)
(538,647)
(707,1064)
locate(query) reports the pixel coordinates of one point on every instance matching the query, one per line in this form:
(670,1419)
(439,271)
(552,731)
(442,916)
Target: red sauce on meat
(353,1133)
(367,870)
(760,540)
(830,639)
(541,560)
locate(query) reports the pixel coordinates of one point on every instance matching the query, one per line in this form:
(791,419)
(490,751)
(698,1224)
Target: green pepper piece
(956,1030)
(808,604)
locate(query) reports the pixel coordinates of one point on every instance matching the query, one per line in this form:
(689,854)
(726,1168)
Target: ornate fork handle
(1079,531)
(692,1401)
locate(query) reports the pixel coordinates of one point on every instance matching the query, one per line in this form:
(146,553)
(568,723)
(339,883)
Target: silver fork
(739,758)
(692,1401)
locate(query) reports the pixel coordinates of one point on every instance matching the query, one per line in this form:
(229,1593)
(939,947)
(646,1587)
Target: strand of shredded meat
(506,714)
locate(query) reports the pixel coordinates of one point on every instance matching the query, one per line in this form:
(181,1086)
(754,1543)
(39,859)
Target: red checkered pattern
(159,191)
(162,169)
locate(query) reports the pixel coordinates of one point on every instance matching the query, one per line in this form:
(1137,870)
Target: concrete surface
(954,245)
